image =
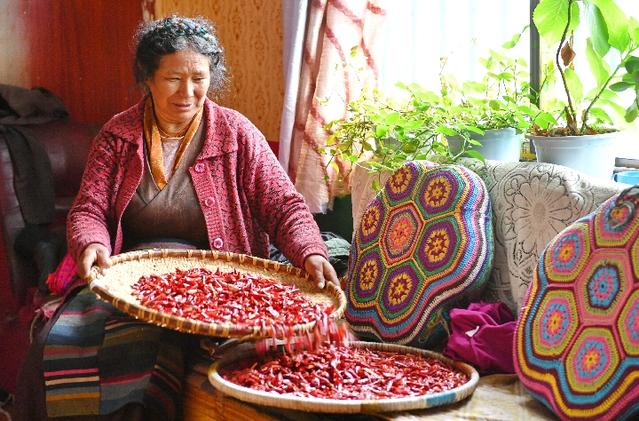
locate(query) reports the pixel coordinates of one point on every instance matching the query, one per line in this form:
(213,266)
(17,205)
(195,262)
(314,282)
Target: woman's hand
(93,254)
(320,270)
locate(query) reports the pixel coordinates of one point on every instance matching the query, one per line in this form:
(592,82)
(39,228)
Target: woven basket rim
(344,406)
(277,271)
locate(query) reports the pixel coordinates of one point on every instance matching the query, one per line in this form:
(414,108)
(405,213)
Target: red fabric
(61,279)
(482,335)
(244,193)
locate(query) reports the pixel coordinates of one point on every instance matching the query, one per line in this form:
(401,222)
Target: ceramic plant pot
(593,155)
(496,144)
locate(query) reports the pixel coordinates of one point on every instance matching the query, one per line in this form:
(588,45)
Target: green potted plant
(480,119)
(579,129)
(491,115)
(380,133)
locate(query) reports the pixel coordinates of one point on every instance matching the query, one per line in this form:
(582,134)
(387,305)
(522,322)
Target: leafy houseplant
(381,133)
(611,33)
(611,37)
(489,116)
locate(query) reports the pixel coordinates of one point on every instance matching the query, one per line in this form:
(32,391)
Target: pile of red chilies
(341,372)
(228,297)
(315,363)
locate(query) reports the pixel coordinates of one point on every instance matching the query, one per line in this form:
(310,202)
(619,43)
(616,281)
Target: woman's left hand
(320,270)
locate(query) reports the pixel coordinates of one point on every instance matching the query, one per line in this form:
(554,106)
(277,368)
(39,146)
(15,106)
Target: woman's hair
(176,33)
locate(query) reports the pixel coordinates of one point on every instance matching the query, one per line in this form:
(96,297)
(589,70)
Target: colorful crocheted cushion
(577,338)
(423,243)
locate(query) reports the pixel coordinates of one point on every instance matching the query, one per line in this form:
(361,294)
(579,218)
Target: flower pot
(496,144)
(593,155)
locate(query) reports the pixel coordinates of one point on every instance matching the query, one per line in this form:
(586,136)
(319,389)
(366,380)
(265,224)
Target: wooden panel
(81,51)
(251,33)
(14,47)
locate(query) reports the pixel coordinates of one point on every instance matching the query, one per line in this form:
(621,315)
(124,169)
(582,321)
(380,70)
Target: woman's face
(179,86)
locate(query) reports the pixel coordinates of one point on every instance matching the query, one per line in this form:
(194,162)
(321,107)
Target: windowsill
(628,156)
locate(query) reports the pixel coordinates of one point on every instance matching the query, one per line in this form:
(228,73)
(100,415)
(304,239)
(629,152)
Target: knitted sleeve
(88,218)
(279,208)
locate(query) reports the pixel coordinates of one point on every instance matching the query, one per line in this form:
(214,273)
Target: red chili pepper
(341,372)
(226,297)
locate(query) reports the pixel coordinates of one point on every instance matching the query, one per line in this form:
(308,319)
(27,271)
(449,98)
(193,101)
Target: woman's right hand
(95,254)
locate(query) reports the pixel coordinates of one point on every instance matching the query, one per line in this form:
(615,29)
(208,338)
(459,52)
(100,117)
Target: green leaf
(331,140)
(545,120)
(505,76)
(447,131)
(475,154)
(381,131)
(598,30)
(526,110)
(601,114)
(616,22)
(514,40)
(475,130)
(632,64)
(599,67)
(494,104)
(614,104)
(631,78)
(574,85)
(550,18)
(633,30)
(413,124)
(427,96)
(631,113)
(609,95)
(620,86)
(392,119)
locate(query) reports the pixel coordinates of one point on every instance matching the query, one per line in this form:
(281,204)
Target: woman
(175,170)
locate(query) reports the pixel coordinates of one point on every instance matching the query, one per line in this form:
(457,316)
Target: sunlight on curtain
(419,32)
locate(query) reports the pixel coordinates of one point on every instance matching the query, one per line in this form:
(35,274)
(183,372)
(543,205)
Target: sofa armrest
(66,143)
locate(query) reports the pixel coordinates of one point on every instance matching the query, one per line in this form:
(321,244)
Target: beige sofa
(531,203)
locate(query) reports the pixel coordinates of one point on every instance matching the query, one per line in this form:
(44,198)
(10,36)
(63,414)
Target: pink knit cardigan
(245,195)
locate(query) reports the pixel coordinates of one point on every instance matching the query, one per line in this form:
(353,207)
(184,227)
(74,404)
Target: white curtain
(294,23)
(417,33)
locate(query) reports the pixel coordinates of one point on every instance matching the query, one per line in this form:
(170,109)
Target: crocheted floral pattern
(415,255)
(532,202)
(576,337)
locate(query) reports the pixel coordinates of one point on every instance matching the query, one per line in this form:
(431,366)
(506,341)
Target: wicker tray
(114,286)
(309,404)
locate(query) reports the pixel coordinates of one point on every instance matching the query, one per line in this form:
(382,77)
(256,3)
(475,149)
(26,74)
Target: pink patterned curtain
(330,77)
